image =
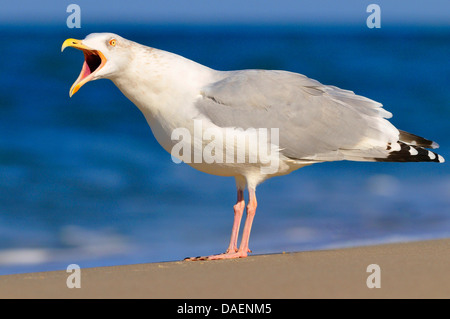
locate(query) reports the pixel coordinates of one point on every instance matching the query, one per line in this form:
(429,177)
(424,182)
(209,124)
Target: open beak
(94,60)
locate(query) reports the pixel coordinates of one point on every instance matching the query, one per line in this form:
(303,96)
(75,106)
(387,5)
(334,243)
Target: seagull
(268,122)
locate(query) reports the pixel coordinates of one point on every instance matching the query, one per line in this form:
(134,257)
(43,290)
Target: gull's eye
(112,42)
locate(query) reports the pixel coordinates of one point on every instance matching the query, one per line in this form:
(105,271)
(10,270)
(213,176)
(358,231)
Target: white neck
(164,87)
(157,81)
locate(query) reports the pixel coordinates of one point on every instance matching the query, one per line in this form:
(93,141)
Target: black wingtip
(416,140)
(411,153)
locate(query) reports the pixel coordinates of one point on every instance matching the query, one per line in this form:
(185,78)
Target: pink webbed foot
(226,255)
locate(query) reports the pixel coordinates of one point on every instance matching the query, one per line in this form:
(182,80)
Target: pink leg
(238,211)
(232,252)
(251,210)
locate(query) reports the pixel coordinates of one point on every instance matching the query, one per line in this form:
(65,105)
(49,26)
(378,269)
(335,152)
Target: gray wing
(316,122)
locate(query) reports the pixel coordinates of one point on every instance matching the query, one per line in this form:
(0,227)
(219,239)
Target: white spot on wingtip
(413,151)
(431,155)
(434,145)
(441,159)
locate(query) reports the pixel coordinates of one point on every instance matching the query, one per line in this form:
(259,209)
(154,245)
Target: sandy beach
(406,270)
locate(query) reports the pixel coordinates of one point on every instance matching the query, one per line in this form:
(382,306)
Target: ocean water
(83,180)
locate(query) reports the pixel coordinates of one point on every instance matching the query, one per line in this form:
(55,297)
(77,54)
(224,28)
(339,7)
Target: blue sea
(83,181)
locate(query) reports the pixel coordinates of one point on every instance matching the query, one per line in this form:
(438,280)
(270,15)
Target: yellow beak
(74,43)
(94,60)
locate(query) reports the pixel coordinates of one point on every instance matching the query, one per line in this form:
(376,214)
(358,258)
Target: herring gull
(249,124)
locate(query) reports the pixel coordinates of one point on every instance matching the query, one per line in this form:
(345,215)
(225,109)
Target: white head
(105,55)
